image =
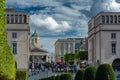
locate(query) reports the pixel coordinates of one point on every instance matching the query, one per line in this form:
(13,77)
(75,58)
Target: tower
(35,40)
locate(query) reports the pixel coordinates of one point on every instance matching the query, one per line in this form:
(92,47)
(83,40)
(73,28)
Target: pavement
(39,75)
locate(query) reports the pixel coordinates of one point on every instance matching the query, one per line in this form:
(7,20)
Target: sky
(55,19)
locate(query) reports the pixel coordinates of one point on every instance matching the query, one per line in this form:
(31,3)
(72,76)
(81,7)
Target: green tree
(69,57)
(80,74)
(90,73)
(7,64)
(105,72)
(82,55)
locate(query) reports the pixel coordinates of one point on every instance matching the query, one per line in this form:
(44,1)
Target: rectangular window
(25,18)
(103,19)
(14,48)
(115,19)
(20,19)
(8,19)
(113,35)
(14,35)
(12,19)
(113,46)
(111,19)
(16,18)
(107,19)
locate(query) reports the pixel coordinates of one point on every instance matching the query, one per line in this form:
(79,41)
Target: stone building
(69,45)
(18,35)
(104,39)
(37,53)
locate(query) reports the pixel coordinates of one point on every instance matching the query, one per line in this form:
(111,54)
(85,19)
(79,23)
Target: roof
(38,50)
(34,34)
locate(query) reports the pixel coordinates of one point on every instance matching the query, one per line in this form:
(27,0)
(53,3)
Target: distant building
(18,35)
(51,57)
(104,39)
(69,45)
(37,54)
(84,44)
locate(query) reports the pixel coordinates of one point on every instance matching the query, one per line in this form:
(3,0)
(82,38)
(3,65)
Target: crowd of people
(56,67)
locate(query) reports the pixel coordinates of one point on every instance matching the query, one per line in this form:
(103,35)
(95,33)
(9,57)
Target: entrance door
(116,64)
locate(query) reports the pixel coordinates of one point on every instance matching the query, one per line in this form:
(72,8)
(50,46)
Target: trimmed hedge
(21,75)
(57,77)
(66,76)
(105,72)
(90,73)
(7,63)
(51,78)
(80,74)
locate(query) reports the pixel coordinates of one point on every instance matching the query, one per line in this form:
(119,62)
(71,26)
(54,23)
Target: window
(119,19)
(12,19)
(115,19)
(24,18)
(14,35)
(8,19)
(111,19)
(103,19)
(14,48)
(35,40)
(20,18)
(107,19)
(16,19)
(113,45)
(113,36)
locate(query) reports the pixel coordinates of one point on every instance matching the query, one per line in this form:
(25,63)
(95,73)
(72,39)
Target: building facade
(18,35)
(104,39)
(37,53)
(69,45)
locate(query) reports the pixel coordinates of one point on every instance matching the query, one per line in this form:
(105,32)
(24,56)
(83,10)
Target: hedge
(80,74)
(90,73)
(105,72)
(21,75)
(66,76)
(7,63)
(57,77)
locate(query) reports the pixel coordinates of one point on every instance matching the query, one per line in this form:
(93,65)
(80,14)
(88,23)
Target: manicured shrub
(90,73)
(80,74)
(44,79)
(21,75)
(57,77)
(52,78)
(7,63)
(66,76)
(105,72)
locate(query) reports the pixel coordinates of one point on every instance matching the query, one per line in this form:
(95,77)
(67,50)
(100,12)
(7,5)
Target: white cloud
(49,23)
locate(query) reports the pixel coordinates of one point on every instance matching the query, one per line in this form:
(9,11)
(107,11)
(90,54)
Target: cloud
(48,23)
(30,3)
(104,5)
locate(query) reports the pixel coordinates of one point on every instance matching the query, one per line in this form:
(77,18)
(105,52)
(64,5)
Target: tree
(82,55)
(69,57)
(80,75)
(90,73)
(105,72)
(7,63)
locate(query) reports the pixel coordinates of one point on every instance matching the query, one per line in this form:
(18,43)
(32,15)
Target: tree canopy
(82,55)
(7,64)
